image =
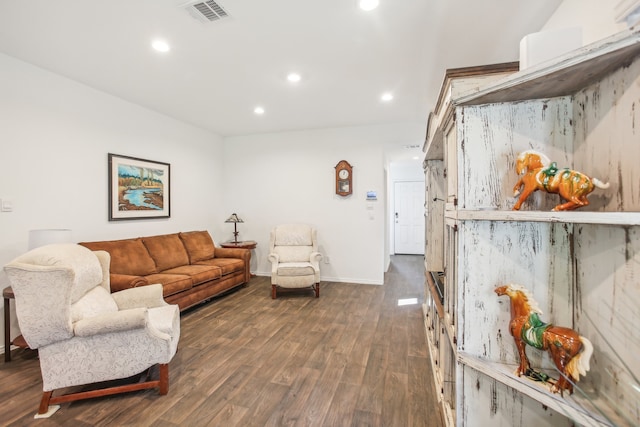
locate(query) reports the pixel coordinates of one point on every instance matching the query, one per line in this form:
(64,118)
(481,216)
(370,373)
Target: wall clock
(344,178)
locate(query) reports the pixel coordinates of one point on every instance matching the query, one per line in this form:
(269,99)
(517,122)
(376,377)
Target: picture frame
(138,188)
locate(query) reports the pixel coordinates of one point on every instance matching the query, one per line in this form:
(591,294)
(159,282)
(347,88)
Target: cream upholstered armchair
(83,333)
(294,256)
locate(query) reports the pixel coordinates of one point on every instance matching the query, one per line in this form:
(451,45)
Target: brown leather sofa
(189,266)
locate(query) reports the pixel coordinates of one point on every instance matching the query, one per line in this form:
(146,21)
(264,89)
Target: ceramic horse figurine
(541,174)
(570,351)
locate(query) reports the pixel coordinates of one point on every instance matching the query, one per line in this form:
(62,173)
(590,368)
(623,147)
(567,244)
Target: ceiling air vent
(207,11)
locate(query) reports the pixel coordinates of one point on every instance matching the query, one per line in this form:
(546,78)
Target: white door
(409,217)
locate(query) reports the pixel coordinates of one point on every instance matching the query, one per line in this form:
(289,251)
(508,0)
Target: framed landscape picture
(138,188)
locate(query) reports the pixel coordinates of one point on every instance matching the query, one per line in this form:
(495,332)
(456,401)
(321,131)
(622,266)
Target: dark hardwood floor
(353,357)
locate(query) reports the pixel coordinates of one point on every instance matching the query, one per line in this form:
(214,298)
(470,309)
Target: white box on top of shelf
(539,47)
(628,11)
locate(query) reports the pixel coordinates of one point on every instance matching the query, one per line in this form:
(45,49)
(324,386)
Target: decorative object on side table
(235,220)
(570,351)
(48,236)
(541,174)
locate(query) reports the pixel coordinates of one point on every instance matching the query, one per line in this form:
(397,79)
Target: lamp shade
(234,218)
(43,237)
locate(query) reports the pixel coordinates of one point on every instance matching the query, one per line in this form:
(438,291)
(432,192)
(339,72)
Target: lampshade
(234,218)
(43,237)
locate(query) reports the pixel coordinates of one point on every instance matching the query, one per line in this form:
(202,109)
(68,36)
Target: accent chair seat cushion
(295,269)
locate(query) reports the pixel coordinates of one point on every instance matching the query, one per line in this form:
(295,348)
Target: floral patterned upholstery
(83,333)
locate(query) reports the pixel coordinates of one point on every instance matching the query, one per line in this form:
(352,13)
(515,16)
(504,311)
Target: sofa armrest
(144,297)
(243,254)
(118,321)
(275,260)
(126,281)
(314,259)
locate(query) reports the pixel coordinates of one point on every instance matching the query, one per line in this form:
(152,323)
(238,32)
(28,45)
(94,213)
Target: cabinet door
(451,276)
(451,165)
(435,215)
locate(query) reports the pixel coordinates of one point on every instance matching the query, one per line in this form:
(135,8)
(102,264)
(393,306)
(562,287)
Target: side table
(7,294)
(247,244)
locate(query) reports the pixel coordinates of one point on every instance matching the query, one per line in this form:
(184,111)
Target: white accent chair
(83,333)
(294,256)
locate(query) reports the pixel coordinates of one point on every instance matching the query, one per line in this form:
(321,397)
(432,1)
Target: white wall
(595,17)
(290,177)
(54,138)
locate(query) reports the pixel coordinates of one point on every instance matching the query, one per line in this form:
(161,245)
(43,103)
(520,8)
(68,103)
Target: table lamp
(235,220)
(49,236)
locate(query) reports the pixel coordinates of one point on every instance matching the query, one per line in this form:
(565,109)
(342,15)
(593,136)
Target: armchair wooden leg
(317,289)
(273,291)
(164,379)
(44,403)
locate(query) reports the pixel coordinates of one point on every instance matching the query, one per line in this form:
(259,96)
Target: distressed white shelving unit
(583,267)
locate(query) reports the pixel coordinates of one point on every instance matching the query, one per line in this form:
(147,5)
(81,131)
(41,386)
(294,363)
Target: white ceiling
(216,73)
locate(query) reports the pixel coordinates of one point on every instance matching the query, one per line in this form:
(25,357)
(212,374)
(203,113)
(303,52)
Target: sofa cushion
(166,250)
(227,265)
(198,273)
(171,283)
(199,245)
(129,256)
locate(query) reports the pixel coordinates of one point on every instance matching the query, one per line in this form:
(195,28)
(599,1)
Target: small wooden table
(7,294)
(247,244)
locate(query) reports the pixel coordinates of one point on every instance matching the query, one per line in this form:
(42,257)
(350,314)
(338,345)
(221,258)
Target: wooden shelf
(586,410)
(574,217)
(564,75)
(580,107)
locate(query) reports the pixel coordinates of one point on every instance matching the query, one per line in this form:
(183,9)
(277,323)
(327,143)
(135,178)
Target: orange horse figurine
(570,351)
(541,174)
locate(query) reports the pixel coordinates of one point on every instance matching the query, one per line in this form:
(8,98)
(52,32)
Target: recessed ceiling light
(160,46)
(294,77)
(258,110)
(386,97)
(368,4)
